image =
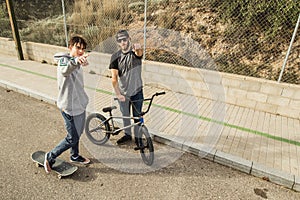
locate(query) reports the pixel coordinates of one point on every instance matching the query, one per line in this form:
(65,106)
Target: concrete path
(255,142)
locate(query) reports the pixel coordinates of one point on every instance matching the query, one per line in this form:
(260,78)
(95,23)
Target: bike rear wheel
(96,129)
(146,146)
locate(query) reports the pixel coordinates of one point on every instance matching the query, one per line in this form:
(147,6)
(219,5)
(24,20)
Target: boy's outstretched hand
(83,60)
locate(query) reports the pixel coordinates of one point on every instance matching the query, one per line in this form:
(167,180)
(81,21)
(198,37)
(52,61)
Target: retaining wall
(255,93)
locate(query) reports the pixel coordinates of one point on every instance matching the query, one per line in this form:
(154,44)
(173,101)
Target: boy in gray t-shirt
(72,101)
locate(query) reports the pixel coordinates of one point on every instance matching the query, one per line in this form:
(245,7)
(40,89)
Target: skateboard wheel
(38,165)
(59,176)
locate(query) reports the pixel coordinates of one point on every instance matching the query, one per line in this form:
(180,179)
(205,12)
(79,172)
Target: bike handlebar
(151,99)
(159,93)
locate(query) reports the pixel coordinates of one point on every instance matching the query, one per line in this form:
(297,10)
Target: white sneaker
(47,166)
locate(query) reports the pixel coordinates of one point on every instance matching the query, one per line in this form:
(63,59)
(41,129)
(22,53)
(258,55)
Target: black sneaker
(80,159)
(124,139)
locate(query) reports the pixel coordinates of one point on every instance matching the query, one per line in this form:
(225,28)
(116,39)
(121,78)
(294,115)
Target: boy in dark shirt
(126,70)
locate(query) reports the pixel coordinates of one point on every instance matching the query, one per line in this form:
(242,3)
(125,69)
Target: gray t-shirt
(129,68)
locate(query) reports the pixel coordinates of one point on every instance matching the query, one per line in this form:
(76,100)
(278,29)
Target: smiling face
(77,46)
(77,50)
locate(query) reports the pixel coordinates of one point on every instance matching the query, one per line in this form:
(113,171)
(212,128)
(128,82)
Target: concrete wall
(254,93)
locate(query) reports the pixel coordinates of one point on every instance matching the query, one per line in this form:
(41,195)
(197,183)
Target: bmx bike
(99,129)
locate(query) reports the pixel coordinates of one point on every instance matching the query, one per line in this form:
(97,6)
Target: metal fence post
(145,29)
(289,50)
(65,21)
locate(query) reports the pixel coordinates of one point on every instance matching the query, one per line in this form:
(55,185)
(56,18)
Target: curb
(28,92)
(252,168)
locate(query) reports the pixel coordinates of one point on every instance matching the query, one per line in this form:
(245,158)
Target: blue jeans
(74,126)
(125,109)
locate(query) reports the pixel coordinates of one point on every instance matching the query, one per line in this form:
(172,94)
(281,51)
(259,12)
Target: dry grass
(97,21)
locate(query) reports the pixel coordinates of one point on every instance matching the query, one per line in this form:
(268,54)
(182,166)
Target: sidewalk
(254,142)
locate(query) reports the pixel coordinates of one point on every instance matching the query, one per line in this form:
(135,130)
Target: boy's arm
(67,65)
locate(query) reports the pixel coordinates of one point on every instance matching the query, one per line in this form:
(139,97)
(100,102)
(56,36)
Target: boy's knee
(73,141)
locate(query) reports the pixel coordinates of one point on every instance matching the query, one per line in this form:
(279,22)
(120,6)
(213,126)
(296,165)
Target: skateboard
(61,167)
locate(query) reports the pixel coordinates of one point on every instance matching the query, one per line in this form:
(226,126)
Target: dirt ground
(28,125)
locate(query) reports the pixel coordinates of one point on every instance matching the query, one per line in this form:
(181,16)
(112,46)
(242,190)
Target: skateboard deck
(61,167)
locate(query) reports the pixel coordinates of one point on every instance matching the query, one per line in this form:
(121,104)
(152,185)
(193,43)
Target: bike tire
(96,129)
(146,146)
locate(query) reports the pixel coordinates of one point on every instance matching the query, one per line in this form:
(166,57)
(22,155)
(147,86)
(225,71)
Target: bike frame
(143,139)
(140,117)
(115,131)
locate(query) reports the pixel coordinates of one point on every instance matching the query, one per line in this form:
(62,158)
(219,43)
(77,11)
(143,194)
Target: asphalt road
(28,125)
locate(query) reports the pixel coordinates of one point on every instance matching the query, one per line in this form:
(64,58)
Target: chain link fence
(251,38)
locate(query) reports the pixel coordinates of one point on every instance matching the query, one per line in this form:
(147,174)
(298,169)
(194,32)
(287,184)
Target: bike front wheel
(146,146)
(97,129)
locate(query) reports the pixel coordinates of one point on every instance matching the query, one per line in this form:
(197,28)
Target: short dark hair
(77,40)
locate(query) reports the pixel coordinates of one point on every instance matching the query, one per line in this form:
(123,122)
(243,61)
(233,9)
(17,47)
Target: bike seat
(109,109)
